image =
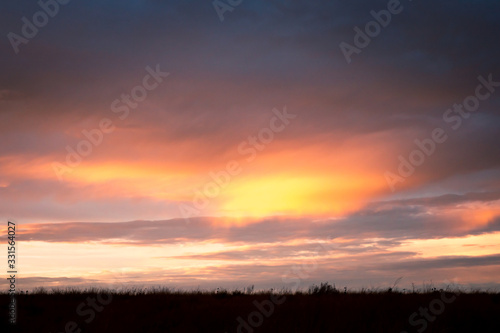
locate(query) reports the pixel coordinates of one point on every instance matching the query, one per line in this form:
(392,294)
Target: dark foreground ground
(258,312)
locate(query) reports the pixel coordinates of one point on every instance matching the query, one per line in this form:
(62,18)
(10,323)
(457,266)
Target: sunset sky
(149,142)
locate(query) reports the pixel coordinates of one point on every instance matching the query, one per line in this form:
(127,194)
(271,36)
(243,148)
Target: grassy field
(321,309)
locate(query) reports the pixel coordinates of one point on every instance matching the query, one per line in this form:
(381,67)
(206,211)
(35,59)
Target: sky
(271,143)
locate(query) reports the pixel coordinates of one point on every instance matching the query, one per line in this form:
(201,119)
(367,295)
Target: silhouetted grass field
(321,309)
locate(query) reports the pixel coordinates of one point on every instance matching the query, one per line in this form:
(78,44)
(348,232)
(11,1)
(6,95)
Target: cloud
(393,221)
(8,95)
(444,262)
(321,177)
